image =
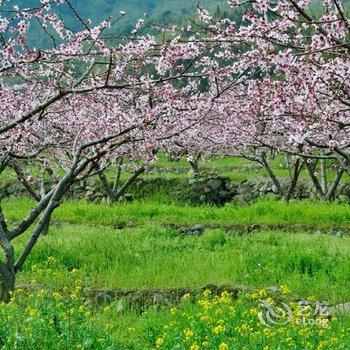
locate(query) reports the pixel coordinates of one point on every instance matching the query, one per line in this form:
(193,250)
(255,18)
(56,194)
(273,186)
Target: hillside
(163,10)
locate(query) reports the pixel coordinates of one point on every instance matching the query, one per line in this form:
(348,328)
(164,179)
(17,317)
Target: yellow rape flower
(223,346)
(219,329)
(188,333)
(159,342)
(186,297)
(205,304)
(32,312)
(51,260)
(56,295)
(284,289)
(206,318)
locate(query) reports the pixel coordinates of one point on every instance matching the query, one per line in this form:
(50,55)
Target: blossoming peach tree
(82,101)
(283,82)
(278,82)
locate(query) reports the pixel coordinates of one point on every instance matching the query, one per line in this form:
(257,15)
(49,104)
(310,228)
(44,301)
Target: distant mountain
(163,11)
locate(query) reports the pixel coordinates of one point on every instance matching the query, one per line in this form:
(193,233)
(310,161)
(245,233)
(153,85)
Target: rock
(89,194)
(122,304)
(343,198)
(196,230)
(274,289)
(215,183)
(224,195)
(203,198)
(253,228)
(129,197)
(103,299)
(11,190)
(160,299)
(240,199)
(210,189)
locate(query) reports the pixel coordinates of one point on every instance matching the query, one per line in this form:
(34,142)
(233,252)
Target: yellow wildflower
(205,304)
(219,329)
(188,333)
(206,318)
(51,260)
(32,312)
(56,295)
(159,342)
(186,297)
(223,346)
(284,289)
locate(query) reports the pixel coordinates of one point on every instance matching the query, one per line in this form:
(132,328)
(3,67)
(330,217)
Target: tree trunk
(7,282)
(294,181)
(333,188)
(46,228)
(271,174)
(118,175)
(324,182)
(311,169)
(105,184)
(195,163)
(289,165)
(22,179)
(129,182)
(7,270)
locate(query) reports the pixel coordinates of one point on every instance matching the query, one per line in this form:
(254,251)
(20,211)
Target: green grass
(154,256)
(267,212)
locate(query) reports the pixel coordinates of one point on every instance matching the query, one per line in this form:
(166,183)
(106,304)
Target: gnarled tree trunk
(7,269)
(7,281)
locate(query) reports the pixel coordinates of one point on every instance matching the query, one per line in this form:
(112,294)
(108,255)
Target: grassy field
(152,256)
(138,246)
